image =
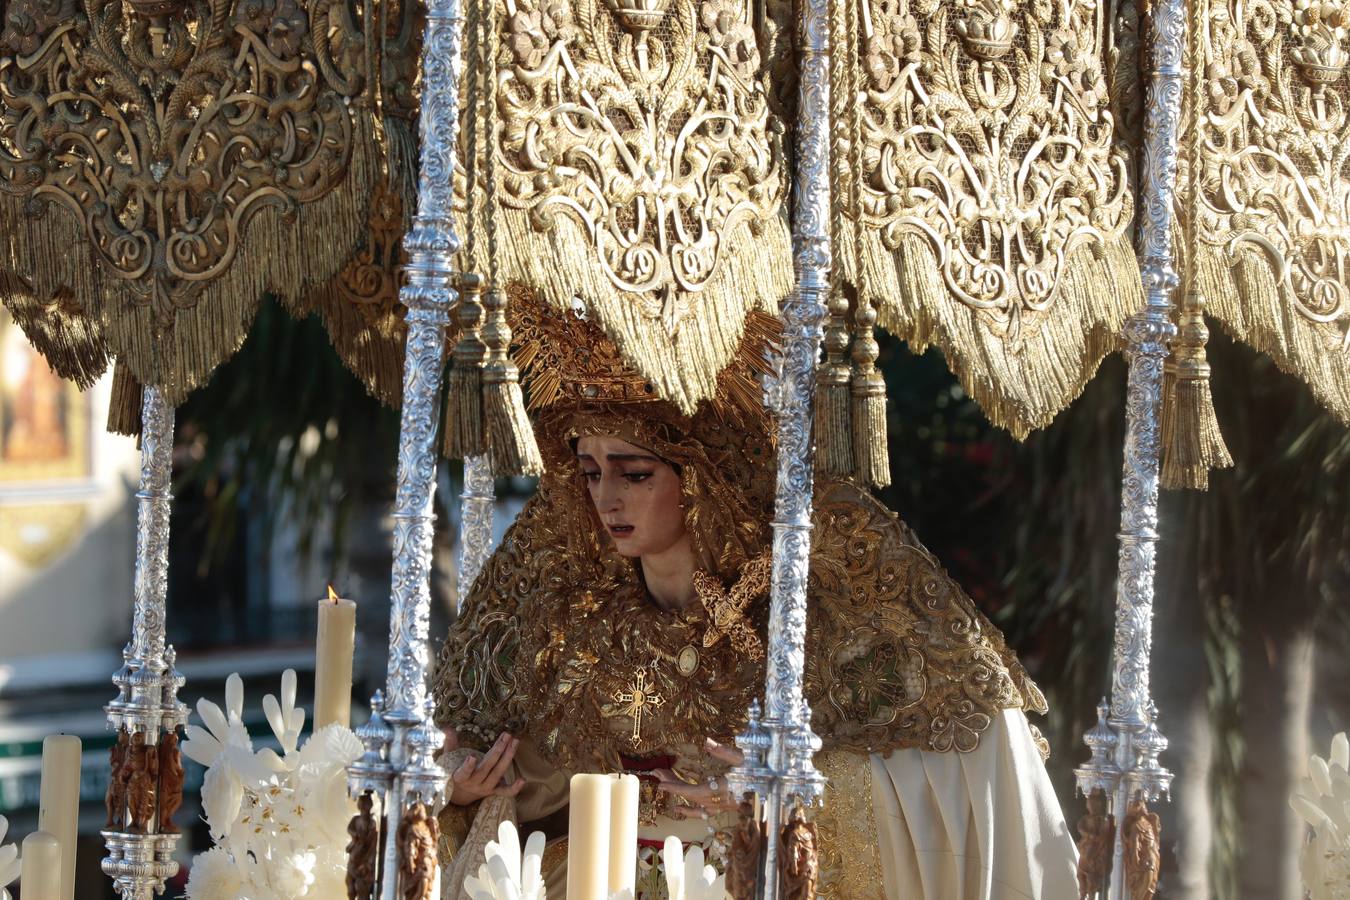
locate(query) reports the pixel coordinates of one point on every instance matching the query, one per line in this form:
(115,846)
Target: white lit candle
(41,875)
(333,661)
(59,802)
(623,833)
(588,838)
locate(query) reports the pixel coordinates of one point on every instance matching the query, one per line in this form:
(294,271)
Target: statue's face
(636,494)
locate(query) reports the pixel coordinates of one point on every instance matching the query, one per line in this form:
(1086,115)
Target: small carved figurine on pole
(142,766)
(116,797)
(171,778)
(747,851)
(418,835)
(362,850)
(801,868)
(1096,842)
(1143,850)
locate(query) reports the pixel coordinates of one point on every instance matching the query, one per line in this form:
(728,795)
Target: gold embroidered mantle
(638,169)
(1272,207)
(987,204)
(186,157)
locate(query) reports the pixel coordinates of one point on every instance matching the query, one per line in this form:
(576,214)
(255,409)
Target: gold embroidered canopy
(640,172)
(1269,205)
(987,203)
(164,163)
(639,154)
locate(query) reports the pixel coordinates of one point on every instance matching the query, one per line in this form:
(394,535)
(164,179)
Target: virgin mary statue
(621,627)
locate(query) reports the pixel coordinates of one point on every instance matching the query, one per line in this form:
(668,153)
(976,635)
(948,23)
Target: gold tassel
(464,435)
(1192,441)
(869,402)
(124,407)
(511,440)
(833,426)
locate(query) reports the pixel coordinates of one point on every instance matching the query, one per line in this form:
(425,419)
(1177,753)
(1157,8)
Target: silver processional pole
(780,746)
(399,766)
(1126,742)
(147,713)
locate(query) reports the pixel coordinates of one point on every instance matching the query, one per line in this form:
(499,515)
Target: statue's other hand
(730,756)
(485,776)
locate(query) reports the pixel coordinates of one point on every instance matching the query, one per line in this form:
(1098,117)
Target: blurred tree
(1246,573)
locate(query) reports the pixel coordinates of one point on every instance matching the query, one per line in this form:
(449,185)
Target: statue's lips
(619,531)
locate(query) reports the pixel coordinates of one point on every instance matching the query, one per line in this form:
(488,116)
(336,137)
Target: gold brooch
(726,609)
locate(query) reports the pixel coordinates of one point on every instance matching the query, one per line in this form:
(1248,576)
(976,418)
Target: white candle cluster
(279,821)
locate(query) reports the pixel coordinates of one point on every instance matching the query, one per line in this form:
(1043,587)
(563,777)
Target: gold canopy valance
(640,171)
(1269,207)
(164,163)
(988,203)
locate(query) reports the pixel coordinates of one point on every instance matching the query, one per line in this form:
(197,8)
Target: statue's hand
(730,756)
(477,778)
(701,800)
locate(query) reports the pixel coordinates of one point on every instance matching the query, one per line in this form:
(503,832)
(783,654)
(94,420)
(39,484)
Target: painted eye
(591,476)
(636,477)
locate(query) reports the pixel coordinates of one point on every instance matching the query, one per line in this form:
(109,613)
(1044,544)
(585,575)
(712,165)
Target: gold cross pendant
(639,698)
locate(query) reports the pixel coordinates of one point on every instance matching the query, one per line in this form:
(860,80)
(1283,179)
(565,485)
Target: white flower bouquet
(279,821)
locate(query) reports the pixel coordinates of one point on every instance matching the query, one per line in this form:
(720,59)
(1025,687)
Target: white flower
(205,746)
(687,876)
(9,860)
(222,797)
(214,876)
(286,720)
(1323,801)
(506,875)
(292,875)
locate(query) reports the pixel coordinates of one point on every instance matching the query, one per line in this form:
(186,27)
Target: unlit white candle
(333,663)
(59,802)
(41,875)
(623,833)
(588,838)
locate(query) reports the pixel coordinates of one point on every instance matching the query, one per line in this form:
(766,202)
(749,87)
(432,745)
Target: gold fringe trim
(1020,387)
(1192,443)
(833,425)
(464,435)
(754,272)
(1245,298)
(360,306)
(285,257)
(870,453)
(124,407)
(511,442)
(70,341)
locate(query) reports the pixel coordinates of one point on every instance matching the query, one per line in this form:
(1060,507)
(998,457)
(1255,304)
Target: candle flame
(332,594)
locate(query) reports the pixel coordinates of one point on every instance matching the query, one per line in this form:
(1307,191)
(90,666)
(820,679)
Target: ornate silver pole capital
(146,713)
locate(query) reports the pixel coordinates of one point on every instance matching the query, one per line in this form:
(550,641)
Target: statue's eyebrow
(621,457)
